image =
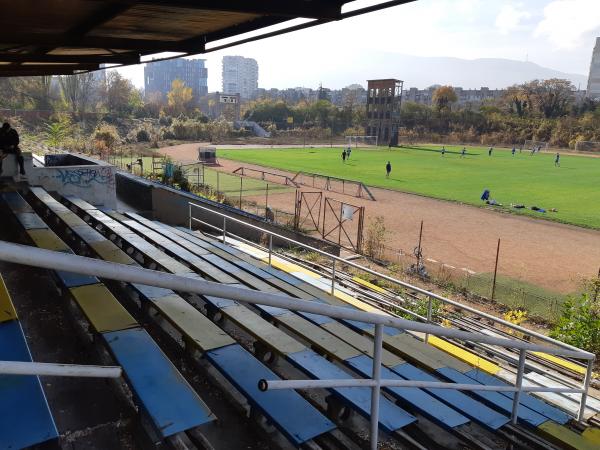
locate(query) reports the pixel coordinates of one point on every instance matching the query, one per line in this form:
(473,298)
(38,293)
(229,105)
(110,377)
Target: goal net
(587,146)
(361,141)
(535,145)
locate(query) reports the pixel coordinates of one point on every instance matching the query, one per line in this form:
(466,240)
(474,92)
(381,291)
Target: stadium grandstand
(134,315)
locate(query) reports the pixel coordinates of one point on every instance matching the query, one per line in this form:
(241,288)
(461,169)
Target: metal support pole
(58,370)
(266,199)
(218,190)
(519,384)
(495,270)
(333,278)
(585,387)
(224,228)
(597,291)
(376,389)
(270,248)
(190,216)
(241,189)
(429,305)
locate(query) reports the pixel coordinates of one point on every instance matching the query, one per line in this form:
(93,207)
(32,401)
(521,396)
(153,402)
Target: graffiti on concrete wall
(85,177)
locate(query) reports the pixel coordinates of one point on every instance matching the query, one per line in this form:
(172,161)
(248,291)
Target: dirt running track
(548,254)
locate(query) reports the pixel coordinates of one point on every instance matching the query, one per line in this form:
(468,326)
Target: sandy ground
(548,254)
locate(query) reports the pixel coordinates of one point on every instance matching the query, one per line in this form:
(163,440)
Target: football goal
(535,145)
(361,141)
(587,146)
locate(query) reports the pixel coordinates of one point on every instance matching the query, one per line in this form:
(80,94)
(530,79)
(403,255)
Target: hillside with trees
(64,111)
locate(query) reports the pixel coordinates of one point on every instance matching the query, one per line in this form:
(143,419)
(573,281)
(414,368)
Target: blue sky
(558,34)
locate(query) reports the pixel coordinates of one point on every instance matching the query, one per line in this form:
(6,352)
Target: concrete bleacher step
(169,403)
(207,337)
(160,258)
(498,400)
(532,402)
(25,417)
(312,333)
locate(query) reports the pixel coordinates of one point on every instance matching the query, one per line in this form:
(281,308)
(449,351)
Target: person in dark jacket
(388,169)
(9,144)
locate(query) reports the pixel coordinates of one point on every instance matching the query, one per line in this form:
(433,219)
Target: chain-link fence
(252,195)
(513,293)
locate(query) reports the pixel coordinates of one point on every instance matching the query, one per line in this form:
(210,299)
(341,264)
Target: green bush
(107,134)
(579,324)
(142,135)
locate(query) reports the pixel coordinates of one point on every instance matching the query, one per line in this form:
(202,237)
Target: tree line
(86,93)
(543,110)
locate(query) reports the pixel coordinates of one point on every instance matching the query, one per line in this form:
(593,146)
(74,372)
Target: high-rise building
(159,76)
(593,87)
(240,76)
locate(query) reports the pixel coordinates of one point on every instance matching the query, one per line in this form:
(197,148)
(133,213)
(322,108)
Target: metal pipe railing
(58,370)
(382,276)
(23,254)
(566,349)
(36,257)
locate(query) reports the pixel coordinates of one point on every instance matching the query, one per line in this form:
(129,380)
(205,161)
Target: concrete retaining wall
(171,206)
(86,178)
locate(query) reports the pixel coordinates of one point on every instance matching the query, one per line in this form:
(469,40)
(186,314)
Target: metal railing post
(585,387)
(333,278)
(429,305)
(519,385)
(376,389)
(224,228)
(190,216)
(270,248)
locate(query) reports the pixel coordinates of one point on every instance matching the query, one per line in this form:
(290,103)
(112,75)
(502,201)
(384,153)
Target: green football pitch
(573,189)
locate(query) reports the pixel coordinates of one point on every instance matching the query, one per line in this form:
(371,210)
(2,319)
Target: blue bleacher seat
(391,417)
(295,417)
(494,399)
(458,400)
(526,399)
(25,417)
(423,402)
(170,402)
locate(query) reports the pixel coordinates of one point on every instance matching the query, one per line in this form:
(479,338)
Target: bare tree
(77,91)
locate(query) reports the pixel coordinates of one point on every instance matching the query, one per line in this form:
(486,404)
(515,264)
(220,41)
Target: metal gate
(343,224)
(308,210)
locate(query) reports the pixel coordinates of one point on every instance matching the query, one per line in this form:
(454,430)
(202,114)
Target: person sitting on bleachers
(9,143)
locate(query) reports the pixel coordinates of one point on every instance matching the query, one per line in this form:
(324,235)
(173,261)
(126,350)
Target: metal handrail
(58,370)
(404,284)
(24,254)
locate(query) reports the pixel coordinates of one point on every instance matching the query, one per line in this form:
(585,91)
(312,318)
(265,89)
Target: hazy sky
(558,34)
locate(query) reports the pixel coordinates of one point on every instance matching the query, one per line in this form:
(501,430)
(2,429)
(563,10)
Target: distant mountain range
(421,72)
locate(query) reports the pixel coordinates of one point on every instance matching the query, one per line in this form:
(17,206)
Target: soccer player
(557,160)
(348,152)
(344,155)
(388,169)
(490,151)
(443,150)
(463,152)
(514,150)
